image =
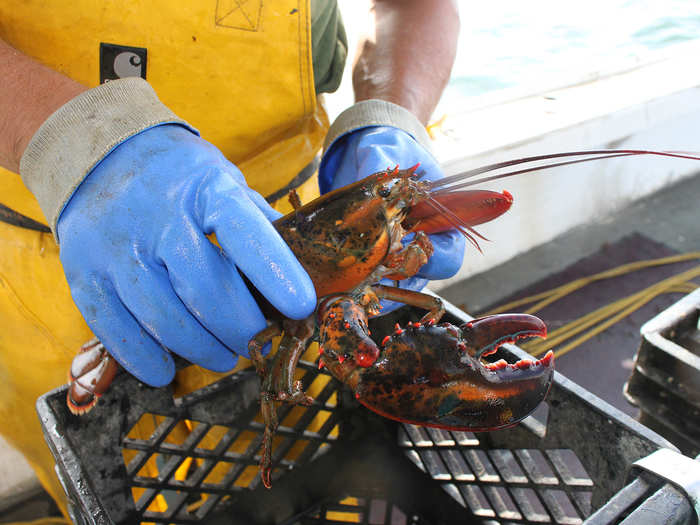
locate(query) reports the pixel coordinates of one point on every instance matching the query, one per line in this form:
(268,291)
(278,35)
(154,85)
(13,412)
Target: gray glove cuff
(81,133)
(377,113)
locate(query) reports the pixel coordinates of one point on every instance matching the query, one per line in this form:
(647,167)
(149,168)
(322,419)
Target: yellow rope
(565,289)
(602,318)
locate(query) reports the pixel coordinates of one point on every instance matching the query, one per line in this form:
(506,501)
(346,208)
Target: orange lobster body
(339,238)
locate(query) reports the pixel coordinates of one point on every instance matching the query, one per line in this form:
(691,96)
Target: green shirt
(329,45)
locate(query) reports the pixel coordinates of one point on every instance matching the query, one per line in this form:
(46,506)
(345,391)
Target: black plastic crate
(558,466)
(665,381)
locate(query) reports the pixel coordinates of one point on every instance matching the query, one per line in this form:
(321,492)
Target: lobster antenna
(466,184)
(602,154)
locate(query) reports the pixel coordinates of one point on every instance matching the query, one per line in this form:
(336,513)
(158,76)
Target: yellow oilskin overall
(240,72)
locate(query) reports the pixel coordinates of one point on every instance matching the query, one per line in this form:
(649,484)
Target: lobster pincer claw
(485,335)
(343,328)
(433,376)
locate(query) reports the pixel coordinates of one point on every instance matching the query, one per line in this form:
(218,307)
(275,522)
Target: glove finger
(160,312)
(269,212)
(217,297)
(251,242)
(229,170)
(447,257)
(121,334)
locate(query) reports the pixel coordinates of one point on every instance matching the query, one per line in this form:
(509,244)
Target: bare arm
(406,58)
(29,93)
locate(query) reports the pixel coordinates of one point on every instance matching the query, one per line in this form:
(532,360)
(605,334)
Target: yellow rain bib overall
(240,72)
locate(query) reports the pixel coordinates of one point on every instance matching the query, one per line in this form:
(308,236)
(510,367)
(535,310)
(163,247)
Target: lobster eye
(383,191)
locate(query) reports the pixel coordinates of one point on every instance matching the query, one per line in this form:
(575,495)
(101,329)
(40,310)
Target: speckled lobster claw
(433,375)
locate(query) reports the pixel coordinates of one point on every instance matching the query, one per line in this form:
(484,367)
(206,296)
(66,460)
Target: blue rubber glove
(145,276)
(368,150)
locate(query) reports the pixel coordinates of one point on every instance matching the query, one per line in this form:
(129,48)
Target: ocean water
(516,45)
(508,48)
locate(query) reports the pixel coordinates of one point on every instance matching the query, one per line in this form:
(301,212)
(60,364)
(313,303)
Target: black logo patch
(121,62)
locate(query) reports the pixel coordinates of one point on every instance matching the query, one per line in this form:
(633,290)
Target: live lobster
(427,373)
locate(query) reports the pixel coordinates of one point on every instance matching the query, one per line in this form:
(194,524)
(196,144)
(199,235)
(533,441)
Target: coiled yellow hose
(602,318)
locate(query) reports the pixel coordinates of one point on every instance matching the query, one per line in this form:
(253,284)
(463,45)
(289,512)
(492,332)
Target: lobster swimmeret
(427,373)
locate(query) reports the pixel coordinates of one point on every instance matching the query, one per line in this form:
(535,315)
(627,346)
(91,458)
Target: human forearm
(29,93)
(407,56)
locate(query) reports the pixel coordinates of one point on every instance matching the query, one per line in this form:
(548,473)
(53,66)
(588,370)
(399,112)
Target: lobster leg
(408,260)
(292,346)
(294,199)
(278,384)
(256,344)
(420,300)
(269,414)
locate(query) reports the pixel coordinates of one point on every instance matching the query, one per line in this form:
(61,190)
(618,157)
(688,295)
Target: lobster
(427,373)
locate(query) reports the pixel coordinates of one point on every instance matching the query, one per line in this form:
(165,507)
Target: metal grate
(510,486)
(180,469)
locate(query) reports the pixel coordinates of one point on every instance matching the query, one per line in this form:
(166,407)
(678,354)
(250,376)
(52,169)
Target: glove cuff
(81,133)
(377,113)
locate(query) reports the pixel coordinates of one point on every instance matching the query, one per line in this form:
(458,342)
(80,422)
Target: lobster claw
(433,376)
(470,208)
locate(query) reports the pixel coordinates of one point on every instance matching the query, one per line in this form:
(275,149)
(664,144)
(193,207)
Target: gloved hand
(145,276)
(368,150)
